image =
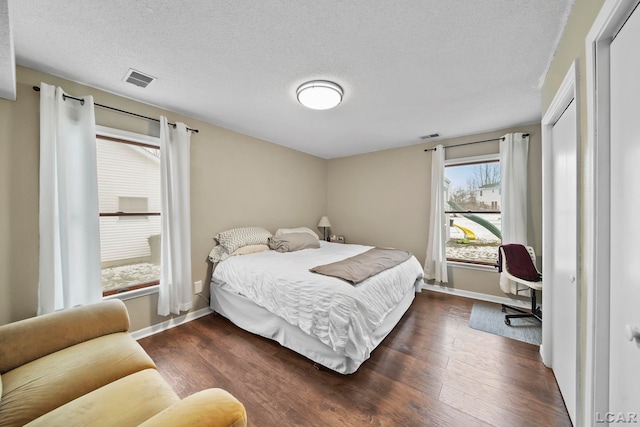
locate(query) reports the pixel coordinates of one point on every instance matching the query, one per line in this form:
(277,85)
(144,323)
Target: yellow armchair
(81,367)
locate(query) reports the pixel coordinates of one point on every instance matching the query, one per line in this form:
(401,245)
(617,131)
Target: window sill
(136,293)
(470,266)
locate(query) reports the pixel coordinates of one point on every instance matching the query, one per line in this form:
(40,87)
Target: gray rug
(489,317)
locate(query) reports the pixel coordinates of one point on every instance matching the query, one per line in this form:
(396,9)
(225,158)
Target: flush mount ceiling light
(319,95)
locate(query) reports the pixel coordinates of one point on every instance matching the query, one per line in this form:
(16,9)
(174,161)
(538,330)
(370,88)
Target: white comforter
(339,314)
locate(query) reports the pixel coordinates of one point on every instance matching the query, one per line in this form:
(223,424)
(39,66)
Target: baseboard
(171,323)
(543,358)
(476,295)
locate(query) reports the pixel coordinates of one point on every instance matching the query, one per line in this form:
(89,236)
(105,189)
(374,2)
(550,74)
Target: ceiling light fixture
(319,95)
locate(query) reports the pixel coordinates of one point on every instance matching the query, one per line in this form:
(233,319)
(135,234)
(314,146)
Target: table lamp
(324,224)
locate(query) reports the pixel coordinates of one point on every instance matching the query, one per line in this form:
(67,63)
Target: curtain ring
(65,96)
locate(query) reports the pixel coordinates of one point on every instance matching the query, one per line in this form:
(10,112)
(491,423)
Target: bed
(328,320)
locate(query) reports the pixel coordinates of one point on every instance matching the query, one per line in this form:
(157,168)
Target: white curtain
(175,263)
(435,265)
(514,153)
(69,262)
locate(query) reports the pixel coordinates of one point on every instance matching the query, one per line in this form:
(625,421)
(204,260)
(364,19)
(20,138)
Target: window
(132,205)
(129,201)
(472,192)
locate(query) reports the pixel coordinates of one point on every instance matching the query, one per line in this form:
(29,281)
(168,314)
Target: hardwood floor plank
(529,388)
(472,338)
(432,370)
(520,401)
(493,413)
(425,374)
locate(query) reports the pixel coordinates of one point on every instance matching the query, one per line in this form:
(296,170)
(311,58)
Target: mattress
(345,319)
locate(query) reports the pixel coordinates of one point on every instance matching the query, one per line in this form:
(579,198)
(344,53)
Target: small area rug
(489,317)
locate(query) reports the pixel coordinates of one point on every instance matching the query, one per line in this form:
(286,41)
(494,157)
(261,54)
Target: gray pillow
(291,242)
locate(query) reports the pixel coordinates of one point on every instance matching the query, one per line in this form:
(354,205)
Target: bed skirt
(247,315)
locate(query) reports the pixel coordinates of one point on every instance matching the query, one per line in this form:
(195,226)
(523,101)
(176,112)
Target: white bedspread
(339,314)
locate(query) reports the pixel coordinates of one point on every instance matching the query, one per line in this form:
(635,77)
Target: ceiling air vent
(137,78)
(433,135)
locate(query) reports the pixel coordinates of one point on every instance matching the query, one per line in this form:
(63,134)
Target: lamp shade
(319,95)
(324,222)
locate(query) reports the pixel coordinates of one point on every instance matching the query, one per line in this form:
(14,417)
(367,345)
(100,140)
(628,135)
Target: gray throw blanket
(362,266)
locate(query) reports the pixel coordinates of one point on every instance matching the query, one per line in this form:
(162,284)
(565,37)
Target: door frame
(596,242)
(567,93)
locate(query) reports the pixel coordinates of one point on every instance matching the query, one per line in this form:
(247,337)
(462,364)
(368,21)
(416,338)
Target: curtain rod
(469,143)
(65,96)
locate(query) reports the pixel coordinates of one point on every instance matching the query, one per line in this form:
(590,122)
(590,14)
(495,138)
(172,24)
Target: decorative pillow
(242,236)
(218,253)
(291,242)
(281,231)
(250,249)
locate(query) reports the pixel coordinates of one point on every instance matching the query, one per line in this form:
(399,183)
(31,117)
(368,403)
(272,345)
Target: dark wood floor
(432,370)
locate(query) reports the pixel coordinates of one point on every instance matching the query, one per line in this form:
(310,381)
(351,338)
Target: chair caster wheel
(507,322)
(504,310)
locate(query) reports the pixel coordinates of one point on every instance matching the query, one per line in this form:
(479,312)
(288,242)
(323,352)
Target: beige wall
(236,180)
(382,199)
(572,46)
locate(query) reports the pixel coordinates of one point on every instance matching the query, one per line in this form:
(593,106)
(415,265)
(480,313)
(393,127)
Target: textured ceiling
(408,67)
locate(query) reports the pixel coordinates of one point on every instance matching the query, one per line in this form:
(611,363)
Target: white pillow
(282,231)
(250,249)
(218,253)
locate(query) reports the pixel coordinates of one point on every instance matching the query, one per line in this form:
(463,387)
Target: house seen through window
(129,201)
(133,204)
(472,194)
